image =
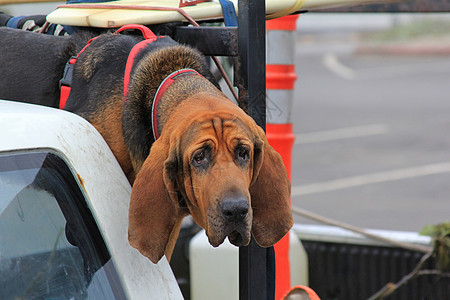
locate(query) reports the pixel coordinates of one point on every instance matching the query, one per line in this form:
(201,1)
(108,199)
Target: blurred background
(371,117)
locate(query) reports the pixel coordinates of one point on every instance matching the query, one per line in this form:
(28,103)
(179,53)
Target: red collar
(65,82)
(161,90)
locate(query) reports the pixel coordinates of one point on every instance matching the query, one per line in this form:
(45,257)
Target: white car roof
(107,190)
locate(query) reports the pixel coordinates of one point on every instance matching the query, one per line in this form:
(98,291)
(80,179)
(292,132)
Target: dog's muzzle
(235,211)
(232,218)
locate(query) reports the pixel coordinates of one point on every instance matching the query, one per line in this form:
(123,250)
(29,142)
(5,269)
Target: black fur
(98,74)
(32,64)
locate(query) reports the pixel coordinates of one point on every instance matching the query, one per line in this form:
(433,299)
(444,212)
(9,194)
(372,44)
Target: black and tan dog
(211,160)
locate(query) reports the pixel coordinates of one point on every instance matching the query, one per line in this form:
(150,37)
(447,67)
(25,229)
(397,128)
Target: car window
(50,246)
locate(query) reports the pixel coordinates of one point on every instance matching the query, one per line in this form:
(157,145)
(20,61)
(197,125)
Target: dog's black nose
(234,209)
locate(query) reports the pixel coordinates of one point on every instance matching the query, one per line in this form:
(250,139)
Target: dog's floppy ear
(270,192)
(152,214)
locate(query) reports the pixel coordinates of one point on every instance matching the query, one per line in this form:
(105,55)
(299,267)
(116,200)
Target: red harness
(65,82)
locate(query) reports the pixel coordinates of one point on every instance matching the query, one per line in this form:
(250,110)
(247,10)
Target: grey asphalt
(372,135)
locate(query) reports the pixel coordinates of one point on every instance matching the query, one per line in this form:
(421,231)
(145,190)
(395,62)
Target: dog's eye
(242,154)
(202,158)
(199,157)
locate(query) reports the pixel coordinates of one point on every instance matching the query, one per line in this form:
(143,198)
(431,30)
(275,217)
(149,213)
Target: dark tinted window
(50,246)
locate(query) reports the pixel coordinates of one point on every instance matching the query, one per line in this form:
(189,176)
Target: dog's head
(213,162)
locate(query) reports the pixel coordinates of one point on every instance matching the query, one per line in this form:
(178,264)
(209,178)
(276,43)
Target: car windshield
(50,246)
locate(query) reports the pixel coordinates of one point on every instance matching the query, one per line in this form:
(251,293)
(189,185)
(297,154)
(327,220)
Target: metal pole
(256,264)
(252,59)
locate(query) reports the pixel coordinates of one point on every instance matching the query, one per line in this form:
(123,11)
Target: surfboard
(121,12)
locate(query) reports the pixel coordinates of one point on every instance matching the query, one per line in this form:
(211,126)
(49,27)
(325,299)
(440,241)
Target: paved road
(372,136)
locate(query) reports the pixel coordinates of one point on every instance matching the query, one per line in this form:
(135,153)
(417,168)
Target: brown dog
(211,160)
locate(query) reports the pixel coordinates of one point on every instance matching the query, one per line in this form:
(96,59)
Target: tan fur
(109,125)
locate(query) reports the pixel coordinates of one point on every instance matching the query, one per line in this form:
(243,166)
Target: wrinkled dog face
(218,163)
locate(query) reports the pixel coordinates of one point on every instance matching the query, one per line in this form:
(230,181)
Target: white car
(64,214)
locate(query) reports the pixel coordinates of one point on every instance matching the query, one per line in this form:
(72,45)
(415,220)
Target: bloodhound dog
(183,145)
